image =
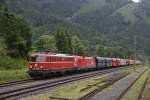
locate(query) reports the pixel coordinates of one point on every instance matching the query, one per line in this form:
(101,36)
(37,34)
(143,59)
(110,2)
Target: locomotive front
(37,64)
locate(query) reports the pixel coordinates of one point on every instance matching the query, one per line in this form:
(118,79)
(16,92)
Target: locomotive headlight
(30,66)
(41,67)
(36,65)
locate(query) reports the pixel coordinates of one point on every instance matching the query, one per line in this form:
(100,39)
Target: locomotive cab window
(40,59)
(32,59)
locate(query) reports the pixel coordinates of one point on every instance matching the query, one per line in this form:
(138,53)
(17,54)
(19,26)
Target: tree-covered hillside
(110,22)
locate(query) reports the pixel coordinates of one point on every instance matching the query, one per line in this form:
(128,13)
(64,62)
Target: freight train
(46,64)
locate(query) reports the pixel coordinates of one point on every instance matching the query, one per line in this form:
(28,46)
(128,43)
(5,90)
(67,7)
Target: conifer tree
(63,41)
(16,33)
(78,46)
(100,50)
(46,42)
(69,42)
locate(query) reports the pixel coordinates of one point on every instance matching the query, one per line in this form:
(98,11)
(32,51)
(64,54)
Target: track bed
(25,89)
(91,87)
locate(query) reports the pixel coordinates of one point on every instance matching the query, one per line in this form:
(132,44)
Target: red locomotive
(45,64)
(42,64)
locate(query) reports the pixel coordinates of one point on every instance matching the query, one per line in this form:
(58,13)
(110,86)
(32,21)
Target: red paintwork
(54,62)
(86,62)
(115,62)
(57,62)
(128,62)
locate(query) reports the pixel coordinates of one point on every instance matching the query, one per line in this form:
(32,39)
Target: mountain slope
(115,21)
(127,12)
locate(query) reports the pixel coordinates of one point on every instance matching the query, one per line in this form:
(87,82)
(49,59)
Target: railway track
(96,91)
(108,83)
(16,82)
(140,95)
(25,91)
(127,89)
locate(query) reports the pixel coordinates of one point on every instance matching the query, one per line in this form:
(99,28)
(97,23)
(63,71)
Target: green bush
(13,74)
(6,62)
(10,63)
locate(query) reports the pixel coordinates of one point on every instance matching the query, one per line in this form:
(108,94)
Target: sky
(136,1)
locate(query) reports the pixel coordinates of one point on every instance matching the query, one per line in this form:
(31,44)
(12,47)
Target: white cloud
(136,1)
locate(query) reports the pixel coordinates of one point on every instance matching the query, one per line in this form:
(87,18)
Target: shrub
(9,63)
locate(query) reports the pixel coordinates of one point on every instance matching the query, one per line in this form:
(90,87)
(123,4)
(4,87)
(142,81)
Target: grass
(73,91)
(10,75)
(131,70)
(147,20)
(135,90)
(146,92)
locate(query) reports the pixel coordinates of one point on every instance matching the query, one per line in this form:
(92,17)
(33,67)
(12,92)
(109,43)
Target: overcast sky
(136,1)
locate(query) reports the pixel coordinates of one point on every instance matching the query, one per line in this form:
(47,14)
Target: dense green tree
(106,51)
(121,52)
(16,33)
(69,42)
(100,50)
(46,42)
(4,59)
(78,46)
(2,48)
(63,41)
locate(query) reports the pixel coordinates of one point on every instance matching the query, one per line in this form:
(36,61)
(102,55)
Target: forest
(17,43)
(80,27)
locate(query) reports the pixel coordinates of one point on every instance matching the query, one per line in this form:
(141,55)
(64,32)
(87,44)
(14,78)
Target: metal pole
(73,49)
(146,61)
(135,52)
